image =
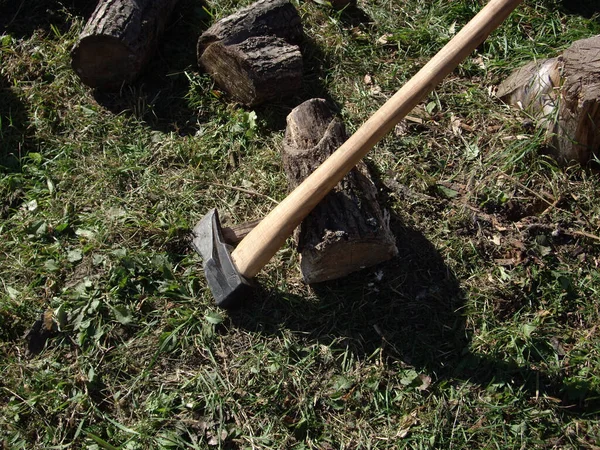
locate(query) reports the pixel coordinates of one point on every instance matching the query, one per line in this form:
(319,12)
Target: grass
(482,333)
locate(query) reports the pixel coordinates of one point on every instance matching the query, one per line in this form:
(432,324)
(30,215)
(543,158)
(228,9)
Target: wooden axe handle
(259,246)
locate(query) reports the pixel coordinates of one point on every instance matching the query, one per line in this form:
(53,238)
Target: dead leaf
(518,244)
(385,38)
(425,382)
(375,90)
(455,125)
(406,423)
(401,128)
(479,61)
(505,262)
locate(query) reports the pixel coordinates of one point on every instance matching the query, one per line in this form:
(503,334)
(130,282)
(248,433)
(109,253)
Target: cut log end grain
(118,40)
(253,53)
(104,62)
(563,94)
(256,70)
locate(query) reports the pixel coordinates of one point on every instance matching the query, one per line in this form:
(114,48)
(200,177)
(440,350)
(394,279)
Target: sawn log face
(256,70)
(118,40)
(253,53)
(563,94)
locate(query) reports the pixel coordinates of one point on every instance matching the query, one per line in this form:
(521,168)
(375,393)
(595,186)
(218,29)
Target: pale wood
(256,249)
(118,40)
(347,231)
(563,95)
(234,234)
(533,86)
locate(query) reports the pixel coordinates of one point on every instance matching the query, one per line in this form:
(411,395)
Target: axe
(229,271)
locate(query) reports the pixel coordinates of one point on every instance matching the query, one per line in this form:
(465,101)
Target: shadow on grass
(585,8)
(410,309)
(13,129)
(20,18)
(158,96)
(354,16)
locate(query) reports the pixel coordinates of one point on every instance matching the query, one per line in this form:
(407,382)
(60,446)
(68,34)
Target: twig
(550,202)
(247,191)
(584,234)
(551,207)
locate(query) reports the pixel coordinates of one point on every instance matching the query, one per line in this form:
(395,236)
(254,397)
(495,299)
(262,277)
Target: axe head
(227,285)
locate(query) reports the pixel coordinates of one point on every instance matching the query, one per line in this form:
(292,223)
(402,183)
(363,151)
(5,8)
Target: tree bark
(578,135)
(118,40)
(263,18)
(347,231)
(563,94)
(253,53)
(256,70)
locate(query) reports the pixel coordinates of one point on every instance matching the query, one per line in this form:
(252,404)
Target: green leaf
(88,234)
(410,377)
(51,265)
(214,318)
(6,40)
(12,292)
(97,259)
(123,314)
(471,150)
(430,107)
(528,329)
(61,316)
(342,383)
(61,227)
(75,255)
(120,252)
(447,192)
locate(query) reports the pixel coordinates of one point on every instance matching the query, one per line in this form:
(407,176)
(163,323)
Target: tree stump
(253,54)
(118,40)
(347,231)
(563,94)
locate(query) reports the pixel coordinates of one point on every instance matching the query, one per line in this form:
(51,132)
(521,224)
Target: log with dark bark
(263,18)
(563,94)
(118,40)
(347,231)
(253,53)
(256,70)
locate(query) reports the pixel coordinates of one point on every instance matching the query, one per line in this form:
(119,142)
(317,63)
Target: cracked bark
(253,53)
(118,40)
(348,230)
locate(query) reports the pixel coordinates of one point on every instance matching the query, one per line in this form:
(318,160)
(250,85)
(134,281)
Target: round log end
(104,62)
